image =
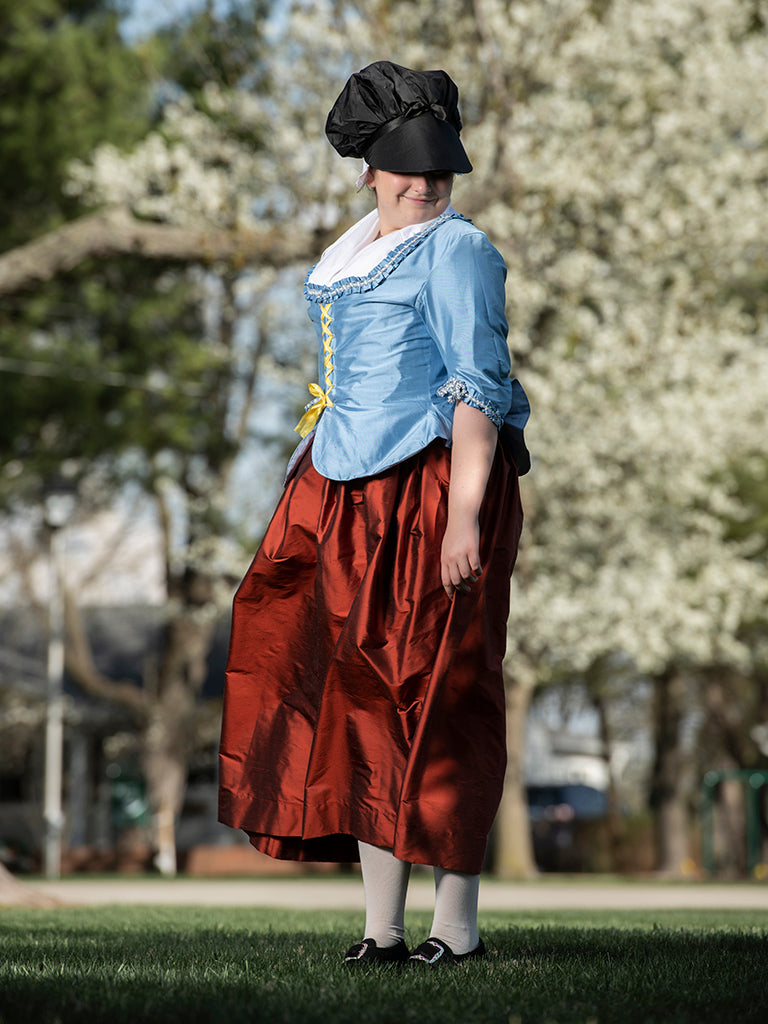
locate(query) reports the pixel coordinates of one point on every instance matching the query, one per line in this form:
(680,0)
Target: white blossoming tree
(620,167)
(637,245)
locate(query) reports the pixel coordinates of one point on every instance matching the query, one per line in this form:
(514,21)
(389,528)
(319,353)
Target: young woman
(364,710)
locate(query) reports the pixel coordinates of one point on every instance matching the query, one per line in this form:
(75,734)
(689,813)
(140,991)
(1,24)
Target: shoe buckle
(439,951)
(360,953)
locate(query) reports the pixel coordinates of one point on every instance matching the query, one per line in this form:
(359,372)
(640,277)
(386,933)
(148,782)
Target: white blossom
(620,166)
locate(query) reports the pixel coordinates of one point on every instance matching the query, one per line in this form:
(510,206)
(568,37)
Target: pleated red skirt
(361,703)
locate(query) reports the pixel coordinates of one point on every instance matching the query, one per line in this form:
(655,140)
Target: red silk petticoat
(361,703)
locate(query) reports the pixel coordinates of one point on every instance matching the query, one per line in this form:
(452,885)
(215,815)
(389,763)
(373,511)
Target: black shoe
(435,952)
(366,953)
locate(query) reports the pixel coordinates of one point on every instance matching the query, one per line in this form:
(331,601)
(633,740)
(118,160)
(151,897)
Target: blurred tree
(69,83)
(632,241)
(218,44)
(122,370)
(619,167)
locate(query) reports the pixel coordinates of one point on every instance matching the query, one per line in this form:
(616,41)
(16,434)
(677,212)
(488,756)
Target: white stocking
(385,880)
(455,920)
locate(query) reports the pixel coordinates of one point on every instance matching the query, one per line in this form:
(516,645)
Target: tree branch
(115,231)
(80,665)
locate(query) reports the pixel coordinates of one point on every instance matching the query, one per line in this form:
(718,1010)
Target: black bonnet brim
(418,145)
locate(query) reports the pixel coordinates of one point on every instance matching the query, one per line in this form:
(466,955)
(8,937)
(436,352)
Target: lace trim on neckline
(351,285)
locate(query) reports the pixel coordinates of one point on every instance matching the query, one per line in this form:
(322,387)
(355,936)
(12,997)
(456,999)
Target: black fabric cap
(399,120)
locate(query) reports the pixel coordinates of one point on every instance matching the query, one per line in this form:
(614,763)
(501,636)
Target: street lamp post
(58,508)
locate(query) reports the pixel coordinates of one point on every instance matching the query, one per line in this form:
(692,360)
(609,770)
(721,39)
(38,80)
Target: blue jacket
(399,347)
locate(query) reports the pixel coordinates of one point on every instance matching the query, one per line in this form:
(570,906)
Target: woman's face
(405,199)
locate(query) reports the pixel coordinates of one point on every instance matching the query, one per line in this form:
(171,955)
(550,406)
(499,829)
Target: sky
(147,15)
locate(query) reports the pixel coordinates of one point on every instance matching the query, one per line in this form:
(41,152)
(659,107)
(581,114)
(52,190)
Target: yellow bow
(312,415)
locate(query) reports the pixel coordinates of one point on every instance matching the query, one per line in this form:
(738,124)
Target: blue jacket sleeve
(462,304)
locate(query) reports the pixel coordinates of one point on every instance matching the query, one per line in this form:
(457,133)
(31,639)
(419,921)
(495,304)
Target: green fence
(753,782)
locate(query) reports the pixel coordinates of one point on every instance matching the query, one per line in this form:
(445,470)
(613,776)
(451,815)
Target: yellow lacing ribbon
(312,414)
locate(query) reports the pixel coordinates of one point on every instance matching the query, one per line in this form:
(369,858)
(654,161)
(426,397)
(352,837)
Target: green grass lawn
(127,964)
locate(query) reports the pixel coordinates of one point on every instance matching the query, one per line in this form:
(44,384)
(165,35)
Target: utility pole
(58,508)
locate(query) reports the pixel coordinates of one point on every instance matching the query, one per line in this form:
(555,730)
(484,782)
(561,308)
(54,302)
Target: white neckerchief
(358,251)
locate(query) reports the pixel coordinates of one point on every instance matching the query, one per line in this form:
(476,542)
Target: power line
(110,378)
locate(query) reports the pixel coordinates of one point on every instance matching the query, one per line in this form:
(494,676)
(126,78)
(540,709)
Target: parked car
(557,814)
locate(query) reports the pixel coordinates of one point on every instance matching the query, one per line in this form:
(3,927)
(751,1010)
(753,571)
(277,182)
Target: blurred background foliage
(620,167)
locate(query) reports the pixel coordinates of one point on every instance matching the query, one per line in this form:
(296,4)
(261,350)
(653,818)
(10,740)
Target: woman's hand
(460,556)
(474,446)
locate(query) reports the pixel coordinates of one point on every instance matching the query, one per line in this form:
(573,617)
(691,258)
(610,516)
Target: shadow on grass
(184,965)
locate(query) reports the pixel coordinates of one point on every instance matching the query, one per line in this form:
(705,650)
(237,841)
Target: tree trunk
(668,795)
(165,706)
(730,825)
(14,894)
(614,817)
(165,759)
(169,739)
(513,847)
